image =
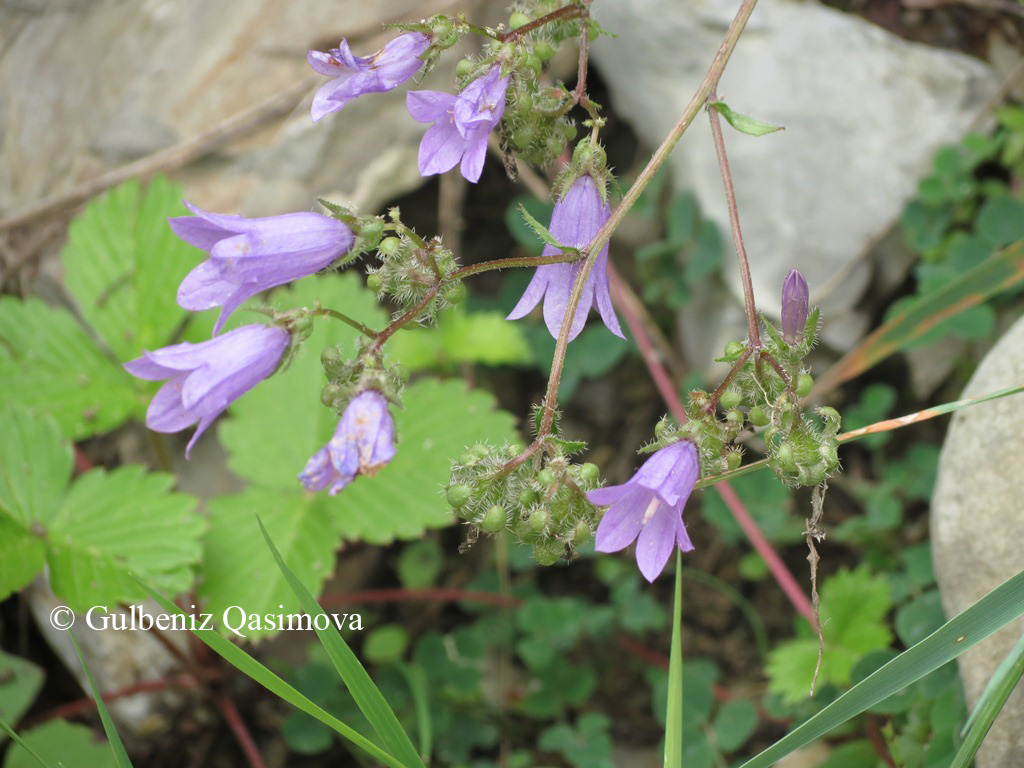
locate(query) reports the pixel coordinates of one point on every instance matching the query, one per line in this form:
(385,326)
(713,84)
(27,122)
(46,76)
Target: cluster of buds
(763,391)
(347,377)
(541,502)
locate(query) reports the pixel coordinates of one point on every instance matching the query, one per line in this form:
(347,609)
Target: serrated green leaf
(20,682)
(48,363)
(112,525)
(60,743)
(123,265)
(461,337)
(744,123)
(35,465)
(239,570)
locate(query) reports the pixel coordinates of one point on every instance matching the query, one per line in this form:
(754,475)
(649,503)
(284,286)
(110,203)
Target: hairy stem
(523,261)
(565,13)
(707,87)
(363,329)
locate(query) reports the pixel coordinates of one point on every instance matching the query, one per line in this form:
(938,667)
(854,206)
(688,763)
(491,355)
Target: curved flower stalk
(648,508)
(363,442)
(354,76)
(248,256)
(577,218)
(205,378)
(461,124)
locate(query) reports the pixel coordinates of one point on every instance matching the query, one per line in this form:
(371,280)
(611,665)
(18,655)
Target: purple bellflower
(649,508)
(248,256)
(577,217)
(363,442)
(353,76)
(794,307)
(461,124)
(205,378)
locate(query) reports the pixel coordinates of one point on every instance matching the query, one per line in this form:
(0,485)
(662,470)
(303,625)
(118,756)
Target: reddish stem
(88,703)
(241,732)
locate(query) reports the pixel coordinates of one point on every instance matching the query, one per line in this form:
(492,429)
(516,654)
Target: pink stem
(622,297)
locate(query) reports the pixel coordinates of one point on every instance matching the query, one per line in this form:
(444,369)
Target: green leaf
(852,754)
(110,526)
(770,504)
(123,264)
(60,743)
(48,363)
(252,669)
(461,337)
(517,226)
(593,353)
(238,570)
(371,702)
(420,564)
(734,723)
(20,681)
(997,609)
(744,123)
(853,609)
(542,232)
(387,644)
(919,618)
(1001,220)
(35,465)
(116,746)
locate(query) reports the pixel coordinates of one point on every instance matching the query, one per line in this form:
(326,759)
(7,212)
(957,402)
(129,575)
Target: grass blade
(674,708)
(368,698)
(999,272)
(248,666)
(998,690)
(116,746)
(21,743)
(994,611)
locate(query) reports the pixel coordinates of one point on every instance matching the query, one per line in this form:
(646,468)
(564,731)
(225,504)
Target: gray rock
(864,112)
(977,526)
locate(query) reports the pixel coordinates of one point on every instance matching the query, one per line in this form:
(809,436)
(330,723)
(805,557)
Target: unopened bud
(804,384)
(539,519)
(734,349)
(731,398)
(458,495)
(794,307)
(374,282)
(758,417)
(494,519)
(590,473)
(518,19)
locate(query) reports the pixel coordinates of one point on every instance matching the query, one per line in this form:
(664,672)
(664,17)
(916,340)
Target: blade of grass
(674,707)
(998,690)
(416,679)
(994,611)
(368,698)
(248,666)
(21,743)
(113,738)
(999,272)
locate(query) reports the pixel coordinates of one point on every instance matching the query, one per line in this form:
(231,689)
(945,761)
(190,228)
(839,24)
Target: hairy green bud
(458,495)
(494,519)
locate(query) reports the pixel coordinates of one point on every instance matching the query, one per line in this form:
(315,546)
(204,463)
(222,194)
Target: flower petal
(166,413)
(441,149)
(656,541)
(671,472)
(429,106)
(533,294)
(622,522)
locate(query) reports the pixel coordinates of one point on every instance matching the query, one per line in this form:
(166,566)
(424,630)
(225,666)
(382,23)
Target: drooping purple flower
(248,256)
(205,378)
(363,442)
(649,508)
(794,307)
(577,217)
(353,76)
(461,124)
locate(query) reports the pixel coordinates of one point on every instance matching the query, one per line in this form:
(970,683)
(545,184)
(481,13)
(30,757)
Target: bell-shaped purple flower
(248,256)
(649,508)
(205,378)
(353,76)
(794,307)
(363,442)
(461,124)
(577,217)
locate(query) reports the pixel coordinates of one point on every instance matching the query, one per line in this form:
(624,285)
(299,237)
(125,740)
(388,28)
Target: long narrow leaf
(997,273)
(113,738)
(368,698)
(21,743)
(998,690)
(674,707)
(994,611)
(248,666)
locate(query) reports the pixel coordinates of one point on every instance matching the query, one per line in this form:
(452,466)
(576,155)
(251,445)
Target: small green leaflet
(744,123)
(543,234)
(96,531)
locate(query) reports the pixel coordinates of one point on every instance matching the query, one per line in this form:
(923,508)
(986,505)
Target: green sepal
(744,123)
(547,237)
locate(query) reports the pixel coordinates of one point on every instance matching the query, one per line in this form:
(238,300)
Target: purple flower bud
(649,508)
(461,124)
(577,217)
(205,378)
(353,76)
(794,307)
(363,442)
(248,256)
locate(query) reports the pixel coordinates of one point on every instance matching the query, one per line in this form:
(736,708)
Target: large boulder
(978,526)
